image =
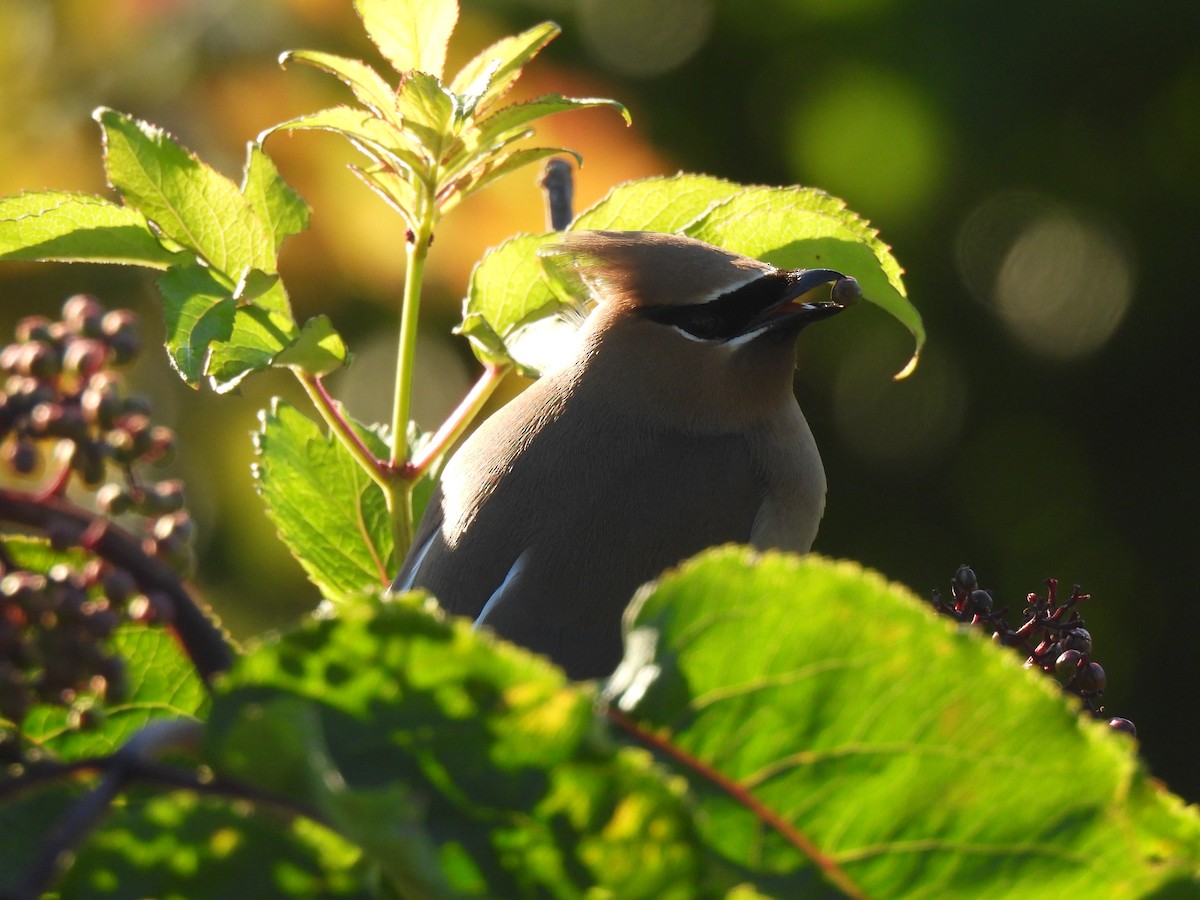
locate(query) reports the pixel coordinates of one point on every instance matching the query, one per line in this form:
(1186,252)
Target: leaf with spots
(461,765)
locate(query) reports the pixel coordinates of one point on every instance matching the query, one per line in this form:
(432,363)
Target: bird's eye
(703,323)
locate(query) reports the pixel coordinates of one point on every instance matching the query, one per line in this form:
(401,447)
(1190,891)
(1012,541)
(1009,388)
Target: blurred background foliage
(1035,166)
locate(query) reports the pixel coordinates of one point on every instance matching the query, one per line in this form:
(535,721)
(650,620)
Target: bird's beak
(805,301)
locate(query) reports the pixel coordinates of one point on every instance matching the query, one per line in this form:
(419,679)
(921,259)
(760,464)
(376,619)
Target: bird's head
(685,316)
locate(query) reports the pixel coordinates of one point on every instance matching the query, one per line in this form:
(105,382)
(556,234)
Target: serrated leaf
(488,77)
(396,192)
(368,86)
(261,329)
(450,195)
(162,684)
(411,34)
(389,702)
(797,227)
(378,140)
(317,350)
(514,118)
(198,311)
(190,202)
(281,209)
(426,110)
(64,227)
(823,715)
(667,204)
(328,511)
(506,289)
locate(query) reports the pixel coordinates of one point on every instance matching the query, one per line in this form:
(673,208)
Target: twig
(558,184)
(202,638)
(151,741)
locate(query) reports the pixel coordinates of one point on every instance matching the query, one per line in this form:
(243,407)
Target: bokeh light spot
(1060,282)
(869,136)
(644,38)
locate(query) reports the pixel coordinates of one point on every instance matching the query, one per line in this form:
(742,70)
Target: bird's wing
(604,530)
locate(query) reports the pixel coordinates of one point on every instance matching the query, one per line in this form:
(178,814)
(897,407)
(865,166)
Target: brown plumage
(673,428)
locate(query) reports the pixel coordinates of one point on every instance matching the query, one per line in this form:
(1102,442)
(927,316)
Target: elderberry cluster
(64,415)
(1051,635)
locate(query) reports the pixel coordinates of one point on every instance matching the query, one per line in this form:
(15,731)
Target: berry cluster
(63,413)
(1051,636)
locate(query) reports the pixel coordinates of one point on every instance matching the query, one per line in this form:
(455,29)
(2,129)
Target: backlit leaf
(411,34)
(797,227)
(190,202)
(368,86)
(488,77)
(281,209)
(63,227)
(826,718)
(328,511)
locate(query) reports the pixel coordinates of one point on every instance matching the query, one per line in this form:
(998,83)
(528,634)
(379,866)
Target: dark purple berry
(82,314)
(981,602)
(1078,639)
(965,578)
(846,291)
(1068,663)
(1091,679)
(1119,724)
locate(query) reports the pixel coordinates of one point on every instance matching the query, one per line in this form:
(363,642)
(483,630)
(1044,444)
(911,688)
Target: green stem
(399,493)
(417,250)
(342,430)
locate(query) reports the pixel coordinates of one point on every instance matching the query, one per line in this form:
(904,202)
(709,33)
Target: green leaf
(396,191)
(666,204)
(328,511)
(426,109)
(318,350)
(190,202)
(824,715)
(374,137)
(198,311)
(261,330)
(797,227)
(368,86)
(162,684)
(497,129)
(507,289)
(488,77)
(411,34)
(63,227)
(458,763)
(179,844)
(282,210)
(450,195)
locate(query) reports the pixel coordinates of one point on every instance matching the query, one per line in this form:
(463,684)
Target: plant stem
(417,250)
(399,495)
(457,422)
(341,428)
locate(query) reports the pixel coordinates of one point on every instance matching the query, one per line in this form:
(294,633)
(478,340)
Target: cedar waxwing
(673,428)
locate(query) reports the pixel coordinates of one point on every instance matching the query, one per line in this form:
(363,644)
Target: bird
(672,428)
